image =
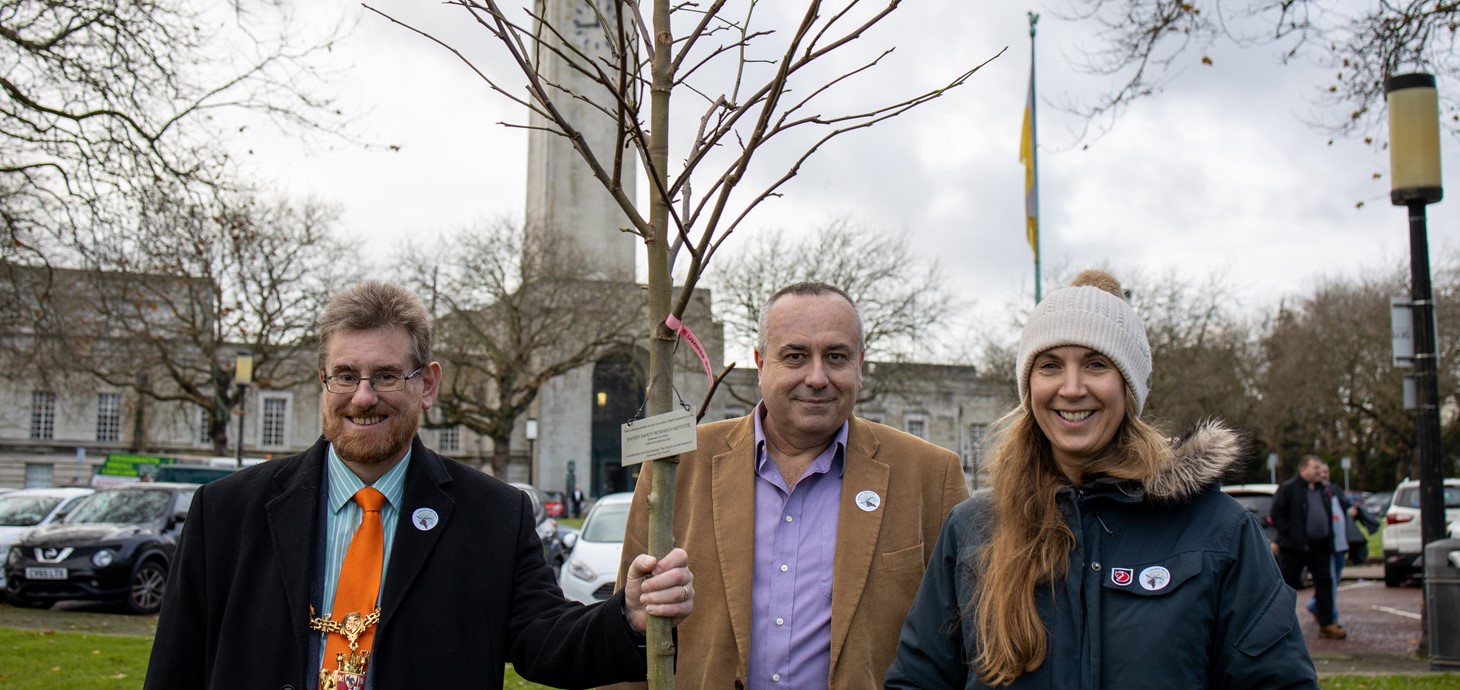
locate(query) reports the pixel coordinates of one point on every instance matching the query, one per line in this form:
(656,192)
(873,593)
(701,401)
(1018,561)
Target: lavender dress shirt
(795,547)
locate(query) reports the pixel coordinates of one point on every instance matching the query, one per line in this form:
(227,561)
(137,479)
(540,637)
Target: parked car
(24,510)
(1403,552)
(116,545)
(591,567)
(547,528)
(555,503)
(1257,499)
(1378,503)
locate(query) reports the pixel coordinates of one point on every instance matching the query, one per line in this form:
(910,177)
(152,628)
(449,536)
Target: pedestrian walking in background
(1302,512)
(1348,543)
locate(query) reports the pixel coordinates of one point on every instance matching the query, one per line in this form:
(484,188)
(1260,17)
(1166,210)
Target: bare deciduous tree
(763,83)
(900,297)
(1145,44)
(511,316)
(163,307)
(104,98)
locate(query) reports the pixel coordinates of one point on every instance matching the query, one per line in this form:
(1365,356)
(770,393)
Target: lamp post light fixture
(531,456)
(1414,161)
(242,377)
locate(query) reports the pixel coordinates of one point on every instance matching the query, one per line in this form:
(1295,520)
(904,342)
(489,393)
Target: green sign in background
(118,465)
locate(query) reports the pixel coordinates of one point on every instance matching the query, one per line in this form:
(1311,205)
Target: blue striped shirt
(344,519)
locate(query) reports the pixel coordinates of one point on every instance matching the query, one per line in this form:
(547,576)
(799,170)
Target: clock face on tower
(585,31)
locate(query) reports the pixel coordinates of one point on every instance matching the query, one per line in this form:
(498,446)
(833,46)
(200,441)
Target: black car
(115,546)
(547,528)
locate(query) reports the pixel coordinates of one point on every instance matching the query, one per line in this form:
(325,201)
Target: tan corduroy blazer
(880,554)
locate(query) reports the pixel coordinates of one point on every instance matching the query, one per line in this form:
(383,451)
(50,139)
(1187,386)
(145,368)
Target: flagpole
(1034,154)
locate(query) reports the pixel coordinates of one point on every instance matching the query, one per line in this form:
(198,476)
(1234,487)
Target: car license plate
(45,573)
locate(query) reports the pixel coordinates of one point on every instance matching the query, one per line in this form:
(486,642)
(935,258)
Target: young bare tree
(512,315)
(163,307)
(1145,44)
(104,98)
(761,83)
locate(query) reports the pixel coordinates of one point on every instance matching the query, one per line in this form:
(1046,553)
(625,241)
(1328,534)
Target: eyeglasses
(384,382)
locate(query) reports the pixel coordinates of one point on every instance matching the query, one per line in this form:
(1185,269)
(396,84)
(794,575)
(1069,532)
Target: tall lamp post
(531,456)
(1414,161)
(242,377)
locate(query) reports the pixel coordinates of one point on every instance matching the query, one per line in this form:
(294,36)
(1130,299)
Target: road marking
(1355,585)
(1397,612)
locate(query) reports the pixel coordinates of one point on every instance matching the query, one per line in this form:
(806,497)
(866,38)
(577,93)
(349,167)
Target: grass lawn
(47,660)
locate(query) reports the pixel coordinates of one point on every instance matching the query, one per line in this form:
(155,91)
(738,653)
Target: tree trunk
(661,496)
(501,455)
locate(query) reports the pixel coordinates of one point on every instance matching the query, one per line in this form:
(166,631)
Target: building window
(917,425)
(108,416)
(275,415)
(39,476)
(448,440)
(42,415)
(879,417)
(734,412)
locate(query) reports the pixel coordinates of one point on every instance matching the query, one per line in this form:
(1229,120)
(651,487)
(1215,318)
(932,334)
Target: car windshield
(25,511)
(1257,503)
(130,506)
(607,523)
(1409,497)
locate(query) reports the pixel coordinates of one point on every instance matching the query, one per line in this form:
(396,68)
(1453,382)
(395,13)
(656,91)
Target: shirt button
(780,621)
(788,518)
(776,677)
(785,567)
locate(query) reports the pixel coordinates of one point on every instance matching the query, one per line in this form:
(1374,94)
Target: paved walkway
(1383,625)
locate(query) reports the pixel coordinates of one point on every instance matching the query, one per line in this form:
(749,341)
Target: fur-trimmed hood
(1200,460)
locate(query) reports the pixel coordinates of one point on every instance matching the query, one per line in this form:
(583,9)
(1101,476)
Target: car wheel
(22,603)
(144,592)
(1394,576)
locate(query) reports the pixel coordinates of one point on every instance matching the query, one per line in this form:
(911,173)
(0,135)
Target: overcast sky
(1220,173)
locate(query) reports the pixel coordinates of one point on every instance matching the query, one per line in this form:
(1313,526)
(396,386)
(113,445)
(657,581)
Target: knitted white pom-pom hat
(1088,314)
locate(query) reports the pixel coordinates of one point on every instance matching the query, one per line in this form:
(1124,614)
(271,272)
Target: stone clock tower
(563,198)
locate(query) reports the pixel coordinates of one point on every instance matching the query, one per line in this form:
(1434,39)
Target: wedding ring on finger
(685,590)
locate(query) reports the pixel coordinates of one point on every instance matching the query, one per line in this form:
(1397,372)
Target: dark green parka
(1171,585)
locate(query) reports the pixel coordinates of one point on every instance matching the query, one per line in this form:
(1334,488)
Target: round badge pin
(424,519)
(1155,578)
(868,501)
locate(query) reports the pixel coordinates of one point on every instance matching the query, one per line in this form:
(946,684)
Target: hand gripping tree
(766,81)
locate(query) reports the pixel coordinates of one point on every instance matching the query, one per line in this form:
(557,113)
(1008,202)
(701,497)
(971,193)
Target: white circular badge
(868,501)
(424,519)
(1155,578)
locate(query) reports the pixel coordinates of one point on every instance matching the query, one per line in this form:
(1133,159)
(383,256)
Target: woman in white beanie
(1103,555)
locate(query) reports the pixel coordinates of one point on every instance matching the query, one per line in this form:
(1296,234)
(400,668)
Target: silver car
(24,510)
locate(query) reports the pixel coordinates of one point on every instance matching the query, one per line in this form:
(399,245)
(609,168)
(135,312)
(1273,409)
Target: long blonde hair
(1030,543)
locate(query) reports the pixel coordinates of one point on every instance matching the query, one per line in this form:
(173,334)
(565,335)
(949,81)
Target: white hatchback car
(24,510)
(1403,555)
(591,568)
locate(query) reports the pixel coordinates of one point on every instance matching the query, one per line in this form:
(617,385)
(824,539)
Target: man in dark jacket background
(1304,522)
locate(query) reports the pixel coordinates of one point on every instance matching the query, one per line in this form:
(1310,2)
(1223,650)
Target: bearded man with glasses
(275,559)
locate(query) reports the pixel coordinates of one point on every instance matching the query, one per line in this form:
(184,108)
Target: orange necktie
(359,575)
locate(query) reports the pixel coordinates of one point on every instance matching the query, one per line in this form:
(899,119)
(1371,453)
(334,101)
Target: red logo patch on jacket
(1122,576)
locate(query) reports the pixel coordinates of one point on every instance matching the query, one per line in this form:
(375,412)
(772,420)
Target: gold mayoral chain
(349,671)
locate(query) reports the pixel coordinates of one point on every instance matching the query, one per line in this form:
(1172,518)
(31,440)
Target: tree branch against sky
(101,99)
(1143,45)
(767,82)
(172,298)
(511,316)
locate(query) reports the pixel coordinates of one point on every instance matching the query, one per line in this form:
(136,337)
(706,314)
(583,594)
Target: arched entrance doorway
(618,394)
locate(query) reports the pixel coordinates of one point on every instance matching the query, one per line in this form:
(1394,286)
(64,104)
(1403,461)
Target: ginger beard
(384,439)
